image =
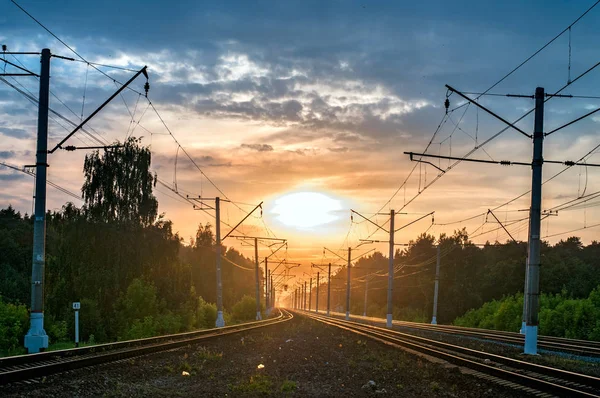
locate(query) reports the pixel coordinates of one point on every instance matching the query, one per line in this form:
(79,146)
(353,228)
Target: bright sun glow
(306,209)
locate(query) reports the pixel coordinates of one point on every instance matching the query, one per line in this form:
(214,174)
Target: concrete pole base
(388,322)
(347,315)
(220,321)
(522,331)
(36,339)
(258,316)
(434,321)
(531,337)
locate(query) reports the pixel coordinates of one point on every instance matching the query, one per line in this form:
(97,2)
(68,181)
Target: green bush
(245,309)
(169,323)
(56,330)
(141,329)
(509,314)
(14,321)
(559,315)
(206,316)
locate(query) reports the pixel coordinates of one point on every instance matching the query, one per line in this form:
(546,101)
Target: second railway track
(572,346)
(536,377)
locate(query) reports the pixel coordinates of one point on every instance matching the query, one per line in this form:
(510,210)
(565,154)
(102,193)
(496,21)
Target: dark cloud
(258,147)
(12,177)
(339,149)
(7,154)
(15,132)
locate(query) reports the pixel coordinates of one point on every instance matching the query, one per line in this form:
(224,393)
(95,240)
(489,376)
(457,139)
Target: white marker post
(76,307)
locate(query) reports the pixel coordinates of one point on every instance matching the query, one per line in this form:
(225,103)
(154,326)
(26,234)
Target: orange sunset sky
(273,104)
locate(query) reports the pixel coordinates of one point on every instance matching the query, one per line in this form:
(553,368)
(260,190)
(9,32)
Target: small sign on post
(76,307)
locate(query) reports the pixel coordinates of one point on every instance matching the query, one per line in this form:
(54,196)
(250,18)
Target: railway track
(530,377)
(34,366)
(573,346)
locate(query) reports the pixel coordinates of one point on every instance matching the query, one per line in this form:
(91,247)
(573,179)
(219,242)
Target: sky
(309,106)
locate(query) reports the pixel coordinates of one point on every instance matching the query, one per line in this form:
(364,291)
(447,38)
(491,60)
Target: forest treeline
(470,276)
(133,275)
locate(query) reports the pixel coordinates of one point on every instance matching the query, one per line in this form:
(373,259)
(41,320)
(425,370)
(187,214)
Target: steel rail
(581,347)
(24,367)
(552,380)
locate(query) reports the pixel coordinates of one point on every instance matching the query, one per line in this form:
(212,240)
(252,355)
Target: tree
(118,184)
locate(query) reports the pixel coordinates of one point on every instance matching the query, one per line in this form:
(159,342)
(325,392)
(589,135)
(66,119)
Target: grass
(257,384)
(63,345)
(288,386)
(207,356)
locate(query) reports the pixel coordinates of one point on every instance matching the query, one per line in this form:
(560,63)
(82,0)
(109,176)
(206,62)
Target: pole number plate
(76,305)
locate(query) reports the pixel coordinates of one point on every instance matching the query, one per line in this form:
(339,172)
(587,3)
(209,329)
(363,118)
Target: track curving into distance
(25,367)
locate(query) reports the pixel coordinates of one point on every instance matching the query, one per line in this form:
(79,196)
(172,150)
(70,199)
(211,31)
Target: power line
(506,128)
(541,49)
(70,48)
(52,184)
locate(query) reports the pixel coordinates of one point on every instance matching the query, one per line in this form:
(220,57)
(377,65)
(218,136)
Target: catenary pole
(328,288)
(366,291)
(270,296)
(317,299)
(304,302)
(272,292)
(390,273)
(348,286)
(309,294)
(267,285)
(257,277)
(36,339)
(437,284)
(533,258)
(525,288)
(220,320)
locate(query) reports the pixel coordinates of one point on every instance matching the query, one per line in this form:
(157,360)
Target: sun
(306,210)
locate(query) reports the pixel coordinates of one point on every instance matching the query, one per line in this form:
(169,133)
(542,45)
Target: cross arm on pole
(488,111)
(257,237)
(500,162)
(59,145)
(359,256)
(412,222)
(28,72)
(283,244)
(381,241)
(572,122)
(243,219)
(502,225)
(335,254)
(366,219)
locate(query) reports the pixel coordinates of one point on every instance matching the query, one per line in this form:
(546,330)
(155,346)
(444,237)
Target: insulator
(569,163)
(447,104)
(146,87)
(4,47)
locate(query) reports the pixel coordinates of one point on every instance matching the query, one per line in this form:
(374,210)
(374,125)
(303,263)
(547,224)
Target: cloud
(7,154)
(15,133)
(12,177)
(258,147)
